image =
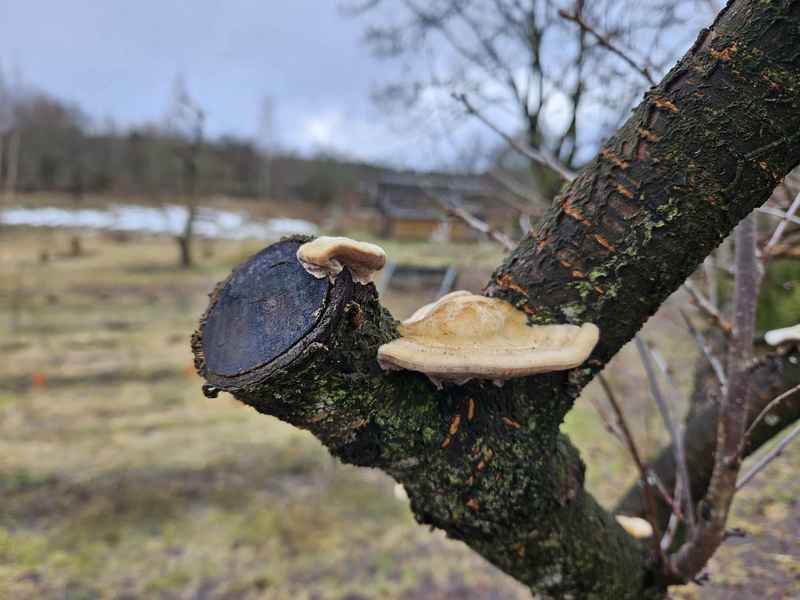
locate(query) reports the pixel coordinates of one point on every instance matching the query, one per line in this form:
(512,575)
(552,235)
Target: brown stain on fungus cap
(465,336)
(326,257)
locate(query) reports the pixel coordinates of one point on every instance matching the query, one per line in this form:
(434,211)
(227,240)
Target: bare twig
(688,561)
(475,223)
(778,233)
(674,519)
(715,363)
(705,306)
(608,44)
(710,275)
(524,193)
(456,209)
(634,452)
(776,212)
(772,404)
(538,155)
(672,428)
(768,457)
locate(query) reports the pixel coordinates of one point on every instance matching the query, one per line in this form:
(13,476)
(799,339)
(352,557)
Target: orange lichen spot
(598,289)
(473,504)
(665,104)
(725,54)
(470,409)
(575,213)
(609,155)
(38,380)
(519,549)
(455,424)
(540,245)
(604,242)
(577,274)
(648,135)
(487,457)
(511,422)
(624,191)
(507,283)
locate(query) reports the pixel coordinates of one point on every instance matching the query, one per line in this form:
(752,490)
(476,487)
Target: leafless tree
(526,64)
(186,121)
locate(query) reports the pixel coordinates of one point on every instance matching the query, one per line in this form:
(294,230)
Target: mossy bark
(486,464)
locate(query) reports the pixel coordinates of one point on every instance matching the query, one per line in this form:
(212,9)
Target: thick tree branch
(488,464)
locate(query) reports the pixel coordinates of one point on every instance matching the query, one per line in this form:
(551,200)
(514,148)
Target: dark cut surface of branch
(488,465)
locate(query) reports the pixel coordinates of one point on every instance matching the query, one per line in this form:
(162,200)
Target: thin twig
(456,209)
(778,233)
(672,428)
(705,306)
(538,155)
(608,44)
(776,212)
(772,404)
(674,520)
(694,555)
(652,509)
(715,363)
(478,225)
(769,457)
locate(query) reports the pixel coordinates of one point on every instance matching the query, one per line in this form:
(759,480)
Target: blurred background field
(119,479)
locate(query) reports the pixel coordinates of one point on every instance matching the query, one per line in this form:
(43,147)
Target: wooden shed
(412,206)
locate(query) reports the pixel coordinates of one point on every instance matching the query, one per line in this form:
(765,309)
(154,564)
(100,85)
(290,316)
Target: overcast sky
(119,59)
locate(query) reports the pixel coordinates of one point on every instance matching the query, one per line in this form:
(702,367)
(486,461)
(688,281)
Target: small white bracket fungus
(635,526)
(465,336)
(327,256)
(776,337)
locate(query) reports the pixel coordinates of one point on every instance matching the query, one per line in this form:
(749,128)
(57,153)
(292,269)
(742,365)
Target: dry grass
(119,479)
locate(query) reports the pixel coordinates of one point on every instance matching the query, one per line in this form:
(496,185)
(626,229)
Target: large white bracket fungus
(327,256)
(465,336)
(776,337)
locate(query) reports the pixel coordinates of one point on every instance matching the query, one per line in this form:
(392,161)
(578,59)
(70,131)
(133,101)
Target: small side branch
(672,428)
(707,308)
(538,155)
(769,457)
(643,471)
(603,40)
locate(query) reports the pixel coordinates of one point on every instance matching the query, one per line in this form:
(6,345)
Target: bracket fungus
(465,336)
(635,526)
(776,337)
(326,257)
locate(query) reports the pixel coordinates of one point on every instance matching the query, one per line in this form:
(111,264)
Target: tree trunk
(488,465)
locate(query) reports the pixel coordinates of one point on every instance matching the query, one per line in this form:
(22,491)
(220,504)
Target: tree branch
(488,465)
(608,45)
(537,155)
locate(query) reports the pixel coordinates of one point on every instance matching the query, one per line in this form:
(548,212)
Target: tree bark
(488,465)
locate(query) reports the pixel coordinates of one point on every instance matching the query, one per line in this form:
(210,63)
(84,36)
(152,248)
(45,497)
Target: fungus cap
(635,526)
(465,336)
(326,257)
(776,337)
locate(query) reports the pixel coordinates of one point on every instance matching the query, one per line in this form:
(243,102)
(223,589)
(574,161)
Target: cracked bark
(488,465)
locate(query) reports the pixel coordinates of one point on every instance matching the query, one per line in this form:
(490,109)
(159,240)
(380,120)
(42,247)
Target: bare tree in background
(521,61)
(186,121)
